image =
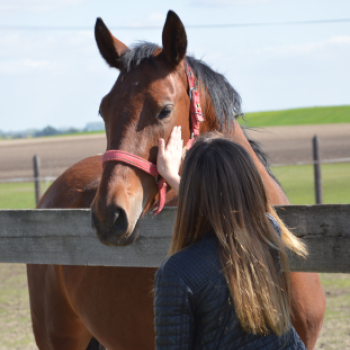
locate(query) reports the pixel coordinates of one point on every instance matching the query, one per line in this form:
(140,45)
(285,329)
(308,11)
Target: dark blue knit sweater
(193,308)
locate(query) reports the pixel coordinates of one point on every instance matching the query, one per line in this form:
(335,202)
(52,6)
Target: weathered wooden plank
(64,237)
(326,232)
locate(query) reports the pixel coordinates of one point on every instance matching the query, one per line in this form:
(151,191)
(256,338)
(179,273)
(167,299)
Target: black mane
(226,100)
(138,53)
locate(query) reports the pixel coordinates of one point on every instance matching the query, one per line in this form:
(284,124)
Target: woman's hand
(169,158)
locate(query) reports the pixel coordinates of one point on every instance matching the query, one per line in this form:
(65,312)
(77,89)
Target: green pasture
(79,133)
(299,116)
(296,180)
(15,324)
(298,183)
(19,195)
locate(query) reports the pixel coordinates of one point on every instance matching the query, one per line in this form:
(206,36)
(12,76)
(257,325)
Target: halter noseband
(150,168)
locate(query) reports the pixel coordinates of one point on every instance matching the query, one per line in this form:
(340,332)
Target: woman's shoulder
(195,264)
(199,262)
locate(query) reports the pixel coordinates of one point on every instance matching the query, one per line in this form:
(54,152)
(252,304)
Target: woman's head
(220,187)
(221,190)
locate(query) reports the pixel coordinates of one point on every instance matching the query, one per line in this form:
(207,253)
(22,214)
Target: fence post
(317,170)
(36,168)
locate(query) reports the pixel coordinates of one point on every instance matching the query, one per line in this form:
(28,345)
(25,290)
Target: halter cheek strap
(195,107)
(150,168)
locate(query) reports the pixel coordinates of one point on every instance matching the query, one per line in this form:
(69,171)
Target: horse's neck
(274,192)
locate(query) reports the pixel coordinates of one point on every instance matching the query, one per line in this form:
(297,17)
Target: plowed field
(283,144)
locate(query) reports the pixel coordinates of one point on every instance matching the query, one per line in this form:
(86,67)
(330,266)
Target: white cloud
(32,6)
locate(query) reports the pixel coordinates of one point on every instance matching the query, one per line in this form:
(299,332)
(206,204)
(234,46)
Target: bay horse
(71,304)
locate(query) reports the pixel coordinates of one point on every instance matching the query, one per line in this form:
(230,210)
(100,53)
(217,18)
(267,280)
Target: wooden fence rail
(64,237)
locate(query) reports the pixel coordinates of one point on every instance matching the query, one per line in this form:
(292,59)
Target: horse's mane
(143,51)
(225,99)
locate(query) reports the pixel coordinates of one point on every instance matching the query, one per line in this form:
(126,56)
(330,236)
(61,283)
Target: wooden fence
(64,237)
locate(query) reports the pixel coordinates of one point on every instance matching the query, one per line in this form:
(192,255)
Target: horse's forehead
(153,83)
(153,76)
(169,86)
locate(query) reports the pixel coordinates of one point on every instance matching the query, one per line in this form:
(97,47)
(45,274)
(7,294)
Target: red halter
(150,168)
(196,111)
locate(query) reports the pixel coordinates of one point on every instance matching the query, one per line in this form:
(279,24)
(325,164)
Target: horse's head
(148,99)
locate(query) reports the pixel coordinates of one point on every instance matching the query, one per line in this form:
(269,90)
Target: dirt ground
(284,145)
(56,154)
(292,144)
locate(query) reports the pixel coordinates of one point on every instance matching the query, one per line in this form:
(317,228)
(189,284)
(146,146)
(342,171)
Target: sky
(58,78)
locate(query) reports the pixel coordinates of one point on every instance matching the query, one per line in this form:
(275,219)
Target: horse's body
(70,304)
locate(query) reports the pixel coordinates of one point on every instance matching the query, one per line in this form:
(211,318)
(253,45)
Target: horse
(70,305)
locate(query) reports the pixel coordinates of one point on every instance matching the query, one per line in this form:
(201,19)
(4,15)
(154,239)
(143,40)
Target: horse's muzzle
(115,230)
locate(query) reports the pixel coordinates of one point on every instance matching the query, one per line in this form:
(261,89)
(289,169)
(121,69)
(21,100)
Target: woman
(222,286)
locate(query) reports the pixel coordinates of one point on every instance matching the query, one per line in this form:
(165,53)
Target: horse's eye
(165,112)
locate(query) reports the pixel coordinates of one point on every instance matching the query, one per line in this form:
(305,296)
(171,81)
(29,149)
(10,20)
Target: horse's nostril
(120,221)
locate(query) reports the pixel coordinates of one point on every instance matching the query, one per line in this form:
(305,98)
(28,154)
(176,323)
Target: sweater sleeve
(173,311)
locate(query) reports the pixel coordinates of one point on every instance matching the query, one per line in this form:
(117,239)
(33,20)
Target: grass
(298,183)
(15,324)
(336,331)
(19,195)
(299,116)
(78,133)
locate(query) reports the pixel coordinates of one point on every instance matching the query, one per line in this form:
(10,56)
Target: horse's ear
(174,39)
(110,47)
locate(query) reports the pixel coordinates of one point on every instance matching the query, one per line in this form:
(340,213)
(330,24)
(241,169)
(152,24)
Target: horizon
(63,129)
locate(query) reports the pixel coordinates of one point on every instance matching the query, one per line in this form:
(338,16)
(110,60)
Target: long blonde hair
(221,190)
